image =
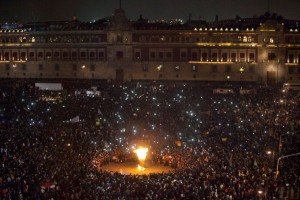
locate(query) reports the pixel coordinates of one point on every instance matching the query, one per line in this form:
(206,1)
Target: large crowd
(53,144)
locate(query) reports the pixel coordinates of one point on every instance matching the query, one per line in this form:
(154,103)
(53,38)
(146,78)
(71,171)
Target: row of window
(214,69)
(141,38)
(196,56)
(153,55)
(145,68)
(55,39)
(56,55)
(56,74)
(293,70)
(192,39)
(293,39)
(293,58)
(75,67)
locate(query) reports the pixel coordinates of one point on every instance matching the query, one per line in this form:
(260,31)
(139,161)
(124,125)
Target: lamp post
(277,166)
(272,153)
(242,71)
(280,138)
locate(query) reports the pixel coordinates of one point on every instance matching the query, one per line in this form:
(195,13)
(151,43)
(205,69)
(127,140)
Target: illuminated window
(15,56)
(214,57)
(271,40)
(250,39)
(291,58)
(6,56)
(239,38)
(204,57)
(245,39)
(177,68)
(224,57)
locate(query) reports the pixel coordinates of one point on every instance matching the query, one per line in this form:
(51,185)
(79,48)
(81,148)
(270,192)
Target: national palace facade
(263,49)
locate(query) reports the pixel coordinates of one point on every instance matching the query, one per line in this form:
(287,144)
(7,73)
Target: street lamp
(280,139)
(277,166)
(272,153)
(242,71)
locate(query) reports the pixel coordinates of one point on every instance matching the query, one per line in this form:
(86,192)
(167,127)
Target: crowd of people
(222,146)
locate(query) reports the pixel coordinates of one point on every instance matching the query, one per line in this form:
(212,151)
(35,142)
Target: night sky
(87,10)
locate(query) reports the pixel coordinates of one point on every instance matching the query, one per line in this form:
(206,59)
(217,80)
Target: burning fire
(141,154)
(140,168)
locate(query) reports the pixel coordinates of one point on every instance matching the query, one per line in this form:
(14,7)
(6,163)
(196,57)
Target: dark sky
(87,10)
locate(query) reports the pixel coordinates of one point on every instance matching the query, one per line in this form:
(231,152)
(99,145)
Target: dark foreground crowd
(221,146)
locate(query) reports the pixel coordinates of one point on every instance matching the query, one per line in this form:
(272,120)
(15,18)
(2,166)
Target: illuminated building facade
(264,50)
